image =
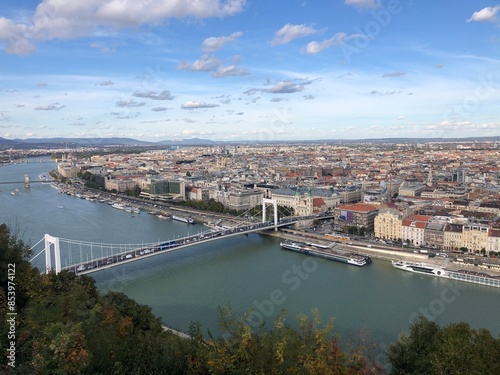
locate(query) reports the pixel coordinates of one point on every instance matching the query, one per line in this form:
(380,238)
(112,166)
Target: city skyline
(246,70)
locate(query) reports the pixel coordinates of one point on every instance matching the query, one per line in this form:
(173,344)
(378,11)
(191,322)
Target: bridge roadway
(164,247)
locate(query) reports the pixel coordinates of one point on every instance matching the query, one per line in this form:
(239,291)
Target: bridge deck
(150,250)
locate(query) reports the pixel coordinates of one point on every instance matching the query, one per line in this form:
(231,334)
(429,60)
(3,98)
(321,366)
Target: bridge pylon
(49,241)
(26,181)
(275,211)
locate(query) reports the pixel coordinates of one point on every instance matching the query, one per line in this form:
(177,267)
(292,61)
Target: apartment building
(413,229)
(387,224)
(434,233)
(360,215)
(475,237)
(452,237)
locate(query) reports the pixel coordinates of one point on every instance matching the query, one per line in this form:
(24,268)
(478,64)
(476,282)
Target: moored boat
(327,252)
(473,277)
(183,219)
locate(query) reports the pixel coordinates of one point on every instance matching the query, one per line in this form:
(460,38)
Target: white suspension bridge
(83,257)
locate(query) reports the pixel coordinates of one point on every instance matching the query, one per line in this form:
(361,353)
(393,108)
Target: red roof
(358,207)
(419,220)
(318,202)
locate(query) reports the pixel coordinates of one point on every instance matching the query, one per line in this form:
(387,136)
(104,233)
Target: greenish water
(252,273)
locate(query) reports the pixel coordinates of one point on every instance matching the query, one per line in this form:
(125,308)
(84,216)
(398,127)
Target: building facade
(387,224)
(359,215)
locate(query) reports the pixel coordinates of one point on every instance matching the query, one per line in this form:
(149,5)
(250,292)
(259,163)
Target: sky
(265,70)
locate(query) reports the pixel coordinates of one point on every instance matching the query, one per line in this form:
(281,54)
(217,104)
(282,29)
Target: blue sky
(249,69)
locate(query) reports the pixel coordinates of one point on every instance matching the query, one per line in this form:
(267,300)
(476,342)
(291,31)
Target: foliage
(309,349)
(454,349)
(211,205)
(89,179)
(135,192)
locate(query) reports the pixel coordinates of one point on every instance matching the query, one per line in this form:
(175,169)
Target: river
(251,273)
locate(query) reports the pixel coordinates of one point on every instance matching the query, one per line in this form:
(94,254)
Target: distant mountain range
(129,142)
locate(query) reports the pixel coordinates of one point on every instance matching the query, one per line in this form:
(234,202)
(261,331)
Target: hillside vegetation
(65,326)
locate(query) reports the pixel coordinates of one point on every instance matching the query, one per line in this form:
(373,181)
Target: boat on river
(474,277)
(183,219)
(327,252)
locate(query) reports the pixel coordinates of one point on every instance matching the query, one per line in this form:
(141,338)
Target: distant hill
(7,142)
(189,142)
(128,142)
(97,142)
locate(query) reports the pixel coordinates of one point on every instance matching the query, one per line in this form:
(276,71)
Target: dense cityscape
(388,200)
(443,196)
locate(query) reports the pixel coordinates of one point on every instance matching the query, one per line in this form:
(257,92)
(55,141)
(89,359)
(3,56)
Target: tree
(454,349)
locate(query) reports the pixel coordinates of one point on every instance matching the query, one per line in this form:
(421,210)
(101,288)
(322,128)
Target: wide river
(251,273)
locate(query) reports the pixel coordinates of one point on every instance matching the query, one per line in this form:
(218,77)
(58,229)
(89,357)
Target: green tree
(455,349)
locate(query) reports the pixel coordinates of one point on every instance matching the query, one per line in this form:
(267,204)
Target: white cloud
(129,104)
(103,48)
(206,63)
(287,87)
(488,14)
(364,4)
(227,71)
(55,19)
(164,95)
(50,107)
(105,83)
(338,39)
(213,44)
(191,104)
(291,32)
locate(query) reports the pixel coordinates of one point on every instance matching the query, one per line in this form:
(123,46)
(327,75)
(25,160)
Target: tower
(49,242)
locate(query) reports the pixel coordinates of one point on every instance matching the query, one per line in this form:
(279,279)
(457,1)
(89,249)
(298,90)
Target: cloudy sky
(249,69)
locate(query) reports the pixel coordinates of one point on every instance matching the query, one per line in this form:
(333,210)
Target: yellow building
(475,237)
(452,237)
(387,224)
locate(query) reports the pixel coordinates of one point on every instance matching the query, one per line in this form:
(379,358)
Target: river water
(251,273)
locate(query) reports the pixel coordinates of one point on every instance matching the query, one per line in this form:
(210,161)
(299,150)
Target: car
(128,256)
(81,268)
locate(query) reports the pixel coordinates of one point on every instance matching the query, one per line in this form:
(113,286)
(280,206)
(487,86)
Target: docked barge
(327,252)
